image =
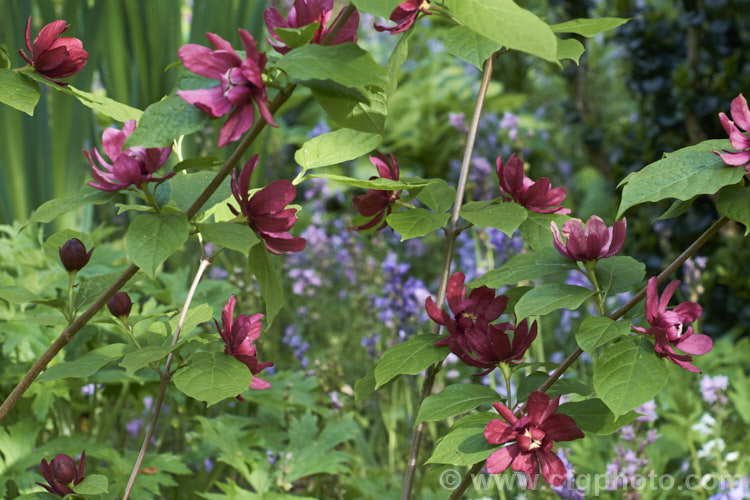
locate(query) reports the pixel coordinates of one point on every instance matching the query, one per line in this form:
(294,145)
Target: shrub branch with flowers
(491,323)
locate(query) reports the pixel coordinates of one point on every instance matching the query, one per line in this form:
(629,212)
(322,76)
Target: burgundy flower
(536,196)
(240,83)
(595,242)
(471,336)
(61,472)
(404,15)
(741,141)
(73,255)
(377,203)
(239,336)
(670,327)
(532,436)
(305,12)
(120,305)
(54,57)
(266,210)
(132,167)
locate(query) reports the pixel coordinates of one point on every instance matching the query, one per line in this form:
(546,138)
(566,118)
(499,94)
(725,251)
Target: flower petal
(500,459)
(695,344)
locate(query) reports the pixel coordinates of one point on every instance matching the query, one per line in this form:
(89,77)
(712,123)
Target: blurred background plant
(654,85)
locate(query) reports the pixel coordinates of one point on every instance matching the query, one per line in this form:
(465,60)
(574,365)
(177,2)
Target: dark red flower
(54,57)
(404,15)
(120,304)
(595,242)
(741,141)
(239,335)
(61,472)
(532,436)
(670,329)
(536,196)
(240,83)
(305,12)
(471,336)
(266,210)
(73,255)
(132,167)
(378,203)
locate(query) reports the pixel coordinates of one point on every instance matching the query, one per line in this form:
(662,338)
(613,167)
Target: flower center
(536,441)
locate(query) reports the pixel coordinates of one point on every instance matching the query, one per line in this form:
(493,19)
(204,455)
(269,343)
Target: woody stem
(451,233)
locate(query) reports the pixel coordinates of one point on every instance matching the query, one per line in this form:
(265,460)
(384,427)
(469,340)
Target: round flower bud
(73,255)
(119,305)
(63,468)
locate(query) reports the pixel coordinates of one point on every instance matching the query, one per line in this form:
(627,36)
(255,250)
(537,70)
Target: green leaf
(297,37)
(506,24)
(619,273)
(416,222)
(683,174)
(336,147)
(596,331)
(535,230)
(454,400)
(677,208)
(346,65)
(269,281)
(380,8)
(152,238)
(534,381)
(86,365)
(734,202)
(504,216)
(365,385)
(464,445)
(398,57)
(547,298)
(525,266)
(628,373)
(4,58)
(570,48)
(438,195)
(200,163)
(356,114)
(377,183)
(166,120)
(134,361)
(408,358)
(53,209)
(93,484)
(187,188)
(18,92)
(97,101)
(589,27)
(212,377)
(469,46)
(236,237)
(17,294)
(592,415)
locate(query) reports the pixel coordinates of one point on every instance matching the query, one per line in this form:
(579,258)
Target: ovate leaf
(408,358)
(734,202)
(629,373)
(570,48)
(592,415)
(619,273)
(469,46)
(416,222)
(525,266)
(454,400)
(152,238)
(166,120)
(504,216)
(86,365)
(336,147)
(236,237)
(589,27)
(550,297)
(683,174)
(18,91)
(269,281)
(212,377)
(597,331)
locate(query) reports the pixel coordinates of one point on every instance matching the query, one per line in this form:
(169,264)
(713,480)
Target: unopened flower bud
(120,304)
(73,255)
(64,468)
